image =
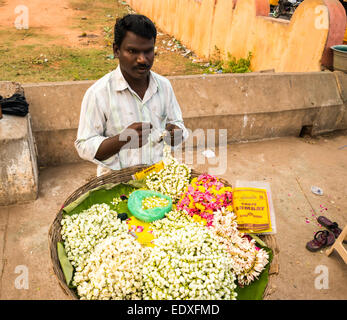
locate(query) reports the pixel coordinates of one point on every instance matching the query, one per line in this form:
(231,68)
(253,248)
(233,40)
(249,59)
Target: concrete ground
(291,165)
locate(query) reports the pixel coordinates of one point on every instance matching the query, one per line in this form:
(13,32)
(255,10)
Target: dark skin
(136,57)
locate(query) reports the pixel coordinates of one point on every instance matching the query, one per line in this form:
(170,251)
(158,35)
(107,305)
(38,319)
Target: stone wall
(241,26)
(249,106)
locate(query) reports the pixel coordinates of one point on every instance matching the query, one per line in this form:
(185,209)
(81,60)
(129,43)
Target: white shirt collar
(121,84)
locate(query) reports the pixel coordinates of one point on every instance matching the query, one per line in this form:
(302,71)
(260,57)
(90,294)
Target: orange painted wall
(240,26)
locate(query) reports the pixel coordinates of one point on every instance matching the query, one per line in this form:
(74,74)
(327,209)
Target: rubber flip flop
(322,239)
(332,226)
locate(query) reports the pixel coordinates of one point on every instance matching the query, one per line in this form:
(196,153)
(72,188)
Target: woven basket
(125,175)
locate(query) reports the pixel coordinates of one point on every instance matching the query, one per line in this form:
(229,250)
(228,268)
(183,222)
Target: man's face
(136,56)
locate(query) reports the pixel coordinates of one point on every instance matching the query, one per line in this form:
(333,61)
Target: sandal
(332,226)
(322,239)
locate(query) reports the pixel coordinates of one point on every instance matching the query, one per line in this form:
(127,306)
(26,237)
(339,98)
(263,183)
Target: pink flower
(139,229)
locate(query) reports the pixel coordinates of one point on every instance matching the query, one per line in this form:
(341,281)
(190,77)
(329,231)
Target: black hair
(137,23)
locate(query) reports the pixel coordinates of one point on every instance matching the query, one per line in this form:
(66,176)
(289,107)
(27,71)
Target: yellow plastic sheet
(154,168)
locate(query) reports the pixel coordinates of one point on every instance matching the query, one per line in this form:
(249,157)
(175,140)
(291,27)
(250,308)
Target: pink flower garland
(204,196)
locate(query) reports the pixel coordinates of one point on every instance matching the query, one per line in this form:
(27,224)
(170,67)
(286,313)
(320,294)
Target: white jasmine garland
(187,262)
(82,232)
(174,219)
(173,179)
(113,270)
(248,262)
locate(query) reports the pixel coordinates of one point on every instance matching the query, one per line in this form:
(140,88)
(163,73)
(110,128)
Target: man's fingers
(145,132)
(170,127)
(139,133)
(139,126)
(145,128)
(146,125)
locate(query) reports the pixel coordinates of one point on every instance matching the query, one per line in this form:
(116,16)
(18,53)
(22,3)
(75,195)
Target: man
(125,113)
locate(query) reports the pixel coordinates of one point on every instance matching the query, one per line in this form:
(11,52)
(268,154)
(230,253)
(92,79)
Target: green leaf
(138,183)
(122,207)
(65,264)
(103,194)
(256,289)
(257,239)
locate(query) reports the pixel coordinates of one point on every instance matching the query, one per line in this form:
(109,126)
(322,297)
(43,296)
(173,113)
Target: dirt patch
(72,40)
(52,20)
(71,23)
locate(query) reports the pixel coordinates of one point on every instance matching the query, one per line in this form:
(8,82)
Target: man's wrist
(109,147)
(121,142)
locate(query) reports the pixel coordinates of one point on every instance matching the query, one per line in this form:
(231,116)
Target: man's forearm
(134,137)
(109,147)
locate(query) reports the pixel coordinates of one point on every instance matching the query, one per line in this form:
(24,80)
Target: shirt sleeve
(174,113)
(91,128)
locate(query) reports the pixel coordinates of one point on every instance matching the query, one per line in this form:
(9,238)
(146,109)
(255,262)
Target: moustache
(143,66)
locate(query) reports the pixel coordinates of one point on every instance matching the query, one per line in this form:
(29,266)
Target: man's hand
(175,134)
(133,137)
(136,135)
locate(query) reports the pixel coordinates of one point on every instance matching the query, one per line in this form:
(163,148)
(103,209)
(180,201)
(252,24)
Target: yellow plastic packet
(153,168)
(252,209)
(142,231)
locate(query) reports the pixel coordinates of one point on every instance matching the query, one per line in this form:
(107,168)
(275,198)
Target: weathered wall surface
(342,86)
(255,106)
(243,26)
(18,159)
(249,106)
(55,109)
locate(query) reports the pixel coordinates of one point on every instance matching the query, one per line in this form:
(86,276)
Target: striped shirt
(109,106)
